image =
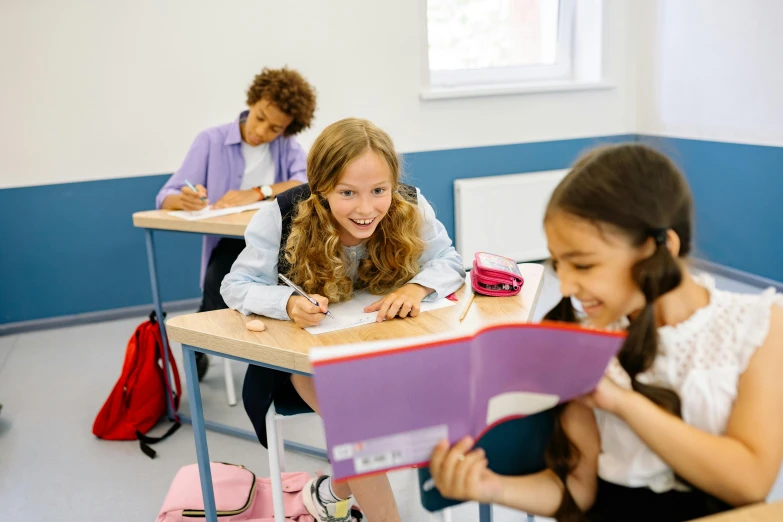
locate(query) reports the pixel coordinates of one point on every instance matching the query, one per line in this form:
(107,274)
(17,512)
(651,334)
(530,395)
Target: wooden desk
(757,513)
(232,225)
(285,346)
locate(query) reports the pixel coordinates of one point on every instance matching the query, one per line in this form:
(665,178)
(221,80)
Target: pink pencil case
(495,275)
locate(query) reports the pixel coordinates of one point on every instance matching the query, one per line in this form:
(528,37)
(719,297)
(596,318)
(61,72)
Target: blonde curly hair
(313,250)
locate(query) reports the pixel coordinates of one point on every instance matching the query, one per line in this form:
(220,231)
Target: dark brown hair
(288,90)
(638,192)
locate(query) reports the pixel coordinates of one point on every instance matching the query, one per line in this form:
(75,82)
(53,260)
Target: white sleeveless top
(701,359)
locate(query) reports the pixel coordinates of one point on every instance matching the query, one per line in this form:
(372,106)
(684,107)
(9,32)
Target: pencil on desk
(467,306)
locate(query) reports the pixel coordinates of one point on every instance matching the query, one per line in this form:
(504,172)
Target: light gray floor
(52,384)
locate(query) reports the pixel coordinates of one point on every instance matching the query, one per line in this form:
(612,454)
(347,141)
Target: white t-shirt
(259,167)
(701,359)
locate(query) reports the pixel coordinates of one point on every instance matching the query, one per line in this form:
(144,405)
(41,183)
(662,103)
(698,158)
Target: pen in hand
(301,292)
(191,187)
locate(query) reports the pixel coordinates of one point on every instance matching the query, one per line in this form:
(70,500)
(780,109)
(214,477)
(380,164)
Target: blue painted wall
(434,172)
(72,248)
(738,195)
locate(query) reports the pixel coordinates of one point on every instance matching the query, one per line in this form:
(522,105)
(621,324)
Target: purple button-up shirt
(215,160)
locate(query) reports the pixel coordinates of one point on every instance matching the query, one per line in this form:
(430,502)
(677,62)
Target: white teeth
(362,221)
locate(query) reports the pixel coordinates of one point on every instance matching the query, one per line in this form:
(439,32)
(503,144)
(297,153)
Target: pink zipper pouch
(495,275)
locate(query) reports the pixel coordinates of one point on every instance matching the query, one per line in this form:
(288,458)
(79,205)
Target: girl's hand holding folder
(462,474)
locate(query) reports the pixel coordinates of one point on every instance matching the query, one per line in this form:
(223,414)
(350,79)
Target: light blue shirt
(252,285)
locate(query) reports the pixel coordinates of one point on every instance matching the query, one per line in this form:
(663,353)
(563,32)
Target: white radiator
(503,215)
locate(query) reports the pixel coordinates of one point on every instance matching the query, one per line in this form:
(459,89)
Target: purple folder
(386,404)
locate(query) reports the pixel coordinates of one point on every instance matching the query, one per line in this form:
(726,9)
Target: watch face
(266,190)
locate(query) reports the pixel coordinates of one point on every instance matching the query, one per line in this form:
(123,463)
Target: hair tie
(659,235)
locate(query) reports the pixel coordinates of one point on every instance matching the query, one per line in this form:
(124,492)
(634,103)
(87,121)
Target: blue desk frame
(172,415)
(200,425)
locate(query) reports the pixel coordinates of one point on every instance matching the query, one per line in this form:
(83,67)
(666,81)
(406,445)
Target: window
(505,42)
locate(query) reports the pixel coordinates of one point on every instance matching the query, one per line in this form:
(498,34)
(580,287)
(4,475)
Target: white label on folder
(401,449)
(518,403)
(376,462)
(342,452)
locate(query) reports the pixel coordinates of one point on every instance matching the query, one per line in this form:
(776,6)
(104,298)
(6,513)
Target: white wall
(106,89)
(712,69)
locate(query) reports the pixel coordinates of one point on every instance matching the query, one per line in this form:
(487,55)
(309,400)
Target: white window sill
(474,91)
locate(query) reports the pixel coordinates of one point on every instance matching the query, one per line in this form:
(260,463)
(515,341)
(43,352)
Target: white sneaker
(323,512)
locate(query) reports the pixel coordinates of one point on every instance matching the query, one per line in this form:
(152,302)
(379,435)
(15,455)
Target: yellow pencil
(467,306)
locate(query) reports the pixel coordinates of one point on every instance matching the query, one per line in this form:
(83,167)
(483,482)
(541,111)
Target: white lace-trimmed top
(701,359)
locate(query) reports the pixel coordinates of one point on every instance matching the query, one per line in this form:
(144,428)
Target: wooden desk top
(285,345)
(757,513)
(230,225)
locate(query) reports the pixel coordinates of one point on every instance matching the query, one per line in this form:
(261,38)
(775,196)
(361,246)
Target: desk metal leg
(485,512)
(172,414)
(199,433)
(249,435)
(159,313)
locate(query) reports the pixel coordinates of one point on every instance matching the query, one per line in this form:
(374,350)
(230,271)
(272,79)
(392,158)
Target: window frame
(561,70)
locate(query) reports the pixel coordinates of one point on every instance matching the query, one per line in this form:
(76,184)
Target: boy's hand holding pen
(193,197)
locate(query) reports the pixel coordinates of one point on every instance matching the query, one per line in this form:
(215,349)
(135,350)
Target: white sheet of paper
(209,212)
(351,313)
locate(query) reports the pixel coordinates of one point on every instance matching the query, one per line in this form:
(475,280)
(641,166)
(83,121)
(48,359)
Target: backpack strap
(172,365)
(145,441)
(175,396)
(288,202)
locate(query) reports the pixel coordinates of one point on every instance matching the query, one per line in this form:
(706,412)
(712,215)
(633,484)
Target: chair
(276,452)
(228,376)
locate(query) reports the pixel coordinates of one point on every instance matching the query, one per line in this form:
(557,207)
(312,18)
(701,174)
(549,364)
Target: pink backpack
(239,496)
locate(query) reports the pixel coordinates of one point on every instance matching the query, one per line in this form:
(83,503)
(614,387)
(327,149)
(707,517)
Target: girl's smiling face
(361,198)
(594,266)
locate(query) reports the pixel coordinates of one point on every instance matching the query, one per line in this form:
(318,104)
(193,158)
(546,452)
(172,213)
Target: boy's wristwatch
(265,191)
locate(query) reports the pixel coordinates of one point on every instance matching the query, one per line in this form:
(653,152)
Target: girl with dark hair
(687,420)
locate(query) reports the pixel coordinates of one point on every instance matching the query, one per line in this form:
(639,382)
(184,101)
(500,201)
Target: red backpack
(138,400)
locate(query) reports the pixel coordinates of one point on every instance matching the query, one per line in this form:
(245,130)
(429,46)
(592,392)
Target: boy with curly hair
(253,158)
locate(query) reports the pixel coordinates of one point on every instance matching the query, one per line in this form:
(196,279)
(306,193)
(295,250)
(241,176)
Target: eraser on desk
(255,325)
